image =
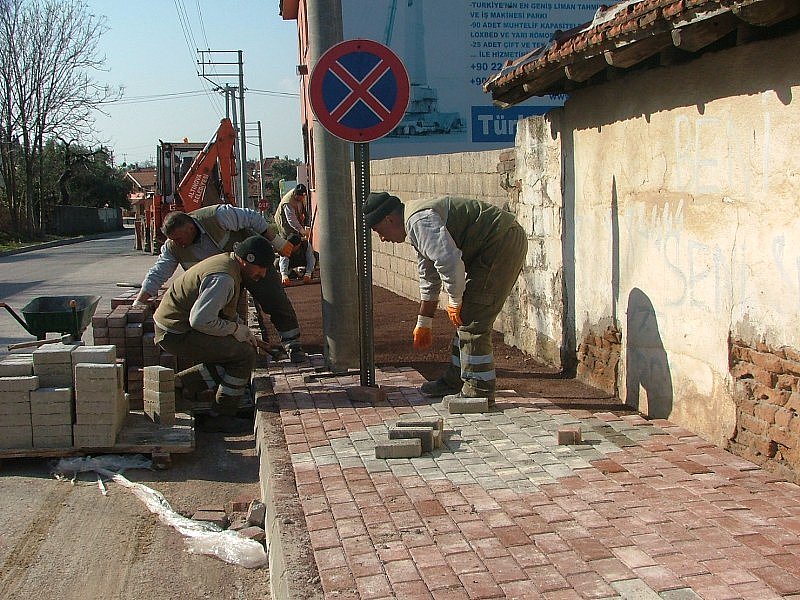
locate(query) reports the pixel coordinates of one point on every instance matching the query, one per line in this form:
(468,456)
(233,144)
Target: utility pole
(207,60)
(260,160)
(334,228)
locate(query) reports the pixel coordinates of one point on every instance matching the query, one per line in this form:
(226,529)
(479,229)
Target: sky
(147,53)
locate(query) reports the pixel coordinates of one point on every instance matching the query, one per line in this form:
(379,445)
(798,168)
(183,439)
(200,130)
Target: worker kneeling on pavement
(476,251)
(197,321)
(292,217)
(215,229)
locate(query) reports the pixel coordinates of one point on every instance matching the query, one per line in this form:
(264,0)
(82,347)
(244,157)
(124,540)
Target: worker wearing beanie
(292,217)
(197,321)
(215,229)
(474,250)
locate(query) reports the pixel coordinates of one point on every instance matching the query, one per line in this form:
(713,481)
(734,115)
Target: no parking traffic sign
(359,90)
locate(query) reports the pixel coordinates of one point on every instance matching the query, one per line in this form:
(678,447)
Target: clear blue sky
(148,54)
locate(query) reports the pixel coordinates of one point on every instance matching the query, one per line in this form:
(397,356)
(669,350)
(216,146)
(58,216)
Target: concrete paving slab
(637,509)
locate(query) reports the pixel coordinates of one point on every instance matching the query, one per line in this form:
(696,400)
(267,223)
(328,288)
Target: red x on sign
(359,90)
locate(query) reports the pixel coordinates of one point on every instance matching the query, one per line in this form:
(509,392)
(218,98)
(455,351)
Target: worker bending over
(293,219)
(476,251)
(194,236)
(197,320)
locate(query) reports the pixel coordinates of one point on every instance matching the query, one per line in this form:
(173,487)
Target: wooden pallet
(139,435)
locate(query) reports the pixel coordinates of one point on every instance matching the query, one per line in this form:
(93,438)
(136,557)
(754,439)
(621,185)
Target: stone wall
(767,396)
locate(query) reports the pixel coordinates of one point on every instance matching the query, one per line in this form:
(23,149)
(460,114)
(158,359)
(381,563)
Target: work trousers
(221,362)
(271,299)
(311,261)
(490,278)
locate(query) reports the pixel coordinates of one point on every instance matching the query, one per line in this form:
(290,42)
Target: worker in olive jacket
(194,236)
(474,250)
(197,320)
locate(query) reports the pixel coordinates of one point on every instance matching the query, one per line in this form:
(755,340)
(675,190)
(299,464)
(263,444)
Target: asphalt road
(86,269)
(59,540)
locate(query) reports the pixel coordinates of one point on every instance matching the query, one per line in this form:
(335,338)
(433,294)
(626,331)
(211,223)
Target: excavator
(188,176)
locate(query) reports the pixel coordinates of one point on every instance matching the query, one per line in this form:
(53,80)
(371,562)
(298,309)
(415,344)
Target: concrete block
(460,406)
(399,448)
(51,420)
(256,513)
(424,434)
(254,533)
(436,423)
(370,395)
(93,436)
(22,383)
(53,430)
(155,385)
(219,518)
(53,353)
(20,419)
(16,437)
(16,365)
(158,373)
(47,400)
(134,330)
(117,319)
(41,441)
(94,371)
(95,386)
(568,436)
(101,398)
(95,354)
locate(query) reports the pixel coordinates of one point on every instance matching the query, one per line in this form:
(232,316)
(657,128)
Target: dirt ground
(394,320)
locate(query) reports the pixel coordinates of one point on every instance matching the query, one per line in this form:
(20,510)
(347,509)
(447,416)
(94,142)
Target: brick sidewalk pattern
(640,509)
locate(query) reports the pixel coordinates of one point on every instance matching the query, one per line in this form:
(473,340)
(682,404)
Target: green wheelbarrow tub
(57,314)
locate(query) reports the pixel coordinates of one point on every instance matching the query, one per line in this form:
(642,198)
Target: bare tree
(48,53)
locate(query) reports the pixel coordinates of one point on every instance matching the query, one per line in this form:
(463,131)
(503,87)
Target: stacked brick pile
(132,331)
(767,406)
(61,396)
(598,359)
(159,394)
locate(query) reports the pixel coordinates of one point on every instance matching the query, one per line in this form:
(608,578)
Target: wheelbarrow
(56,314)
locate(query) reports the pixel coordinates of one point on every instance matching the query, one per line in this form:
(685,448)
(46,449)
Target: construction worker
(293,219)
(194,236)
(476,251)
(197,320)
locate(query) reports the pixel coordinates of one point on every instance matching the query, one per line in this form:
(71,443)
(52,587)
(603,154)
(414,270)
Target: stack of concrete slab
(51,417)
(410,436)
(52,364)
(100,404)
(15,365)
(159,394)
(132,330)
(15,411)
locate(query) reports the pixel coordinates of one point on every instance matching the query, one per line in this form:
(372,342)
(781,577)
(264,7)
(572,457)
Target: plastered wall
(682,191)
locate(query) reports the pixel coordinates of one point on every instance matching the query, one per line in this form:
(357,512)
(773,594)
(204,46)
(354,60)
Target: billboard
(449,48)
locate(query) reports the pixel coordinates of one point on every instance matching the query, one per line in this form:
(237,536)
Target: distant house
(143,189)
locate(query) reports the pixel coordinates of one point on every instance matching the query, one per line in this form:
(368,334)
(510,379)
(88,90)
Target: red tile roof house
(662,201)
(142,191)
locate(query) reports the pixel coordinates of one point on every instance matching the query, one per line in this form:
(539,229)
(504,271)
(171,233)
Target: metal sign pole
(364,259)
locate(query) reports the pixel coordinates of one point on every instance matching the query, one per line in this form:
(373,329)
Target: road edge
(65,242)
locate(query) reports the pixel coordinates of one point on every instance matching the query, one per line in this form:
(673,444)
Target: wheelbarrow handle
(16,317)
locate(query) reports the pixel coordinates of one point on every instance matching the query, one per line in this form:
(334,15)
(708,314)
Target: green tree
(280,169)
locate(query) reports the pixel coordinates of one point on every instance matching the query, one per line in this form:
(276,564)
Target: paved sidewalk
(641,509)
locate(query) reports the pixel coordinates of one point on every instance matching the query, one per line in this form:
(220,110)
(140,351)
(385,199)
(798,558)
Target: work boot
(277,353)
(438,388)
(297,355)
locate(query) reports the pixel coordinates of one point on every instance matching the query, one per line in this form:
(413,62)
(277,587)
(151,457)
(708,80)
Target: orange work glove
(282,246)
(423,337)
(454,312)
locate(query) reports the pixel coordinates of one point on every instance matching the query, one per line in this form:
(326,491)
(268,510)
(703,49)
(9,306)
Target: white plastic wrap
(201,537)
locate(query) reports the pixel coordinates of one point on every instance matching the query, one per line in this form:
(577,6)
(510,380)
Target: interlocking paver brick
(642,509)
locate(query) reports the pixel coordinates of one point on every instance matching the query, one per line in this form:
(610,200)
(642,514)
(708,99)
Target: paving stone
(399,448)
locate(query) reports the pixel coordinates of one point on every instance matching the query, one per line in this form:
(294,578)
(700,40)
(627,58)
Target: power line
(274,93)
(158,97)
